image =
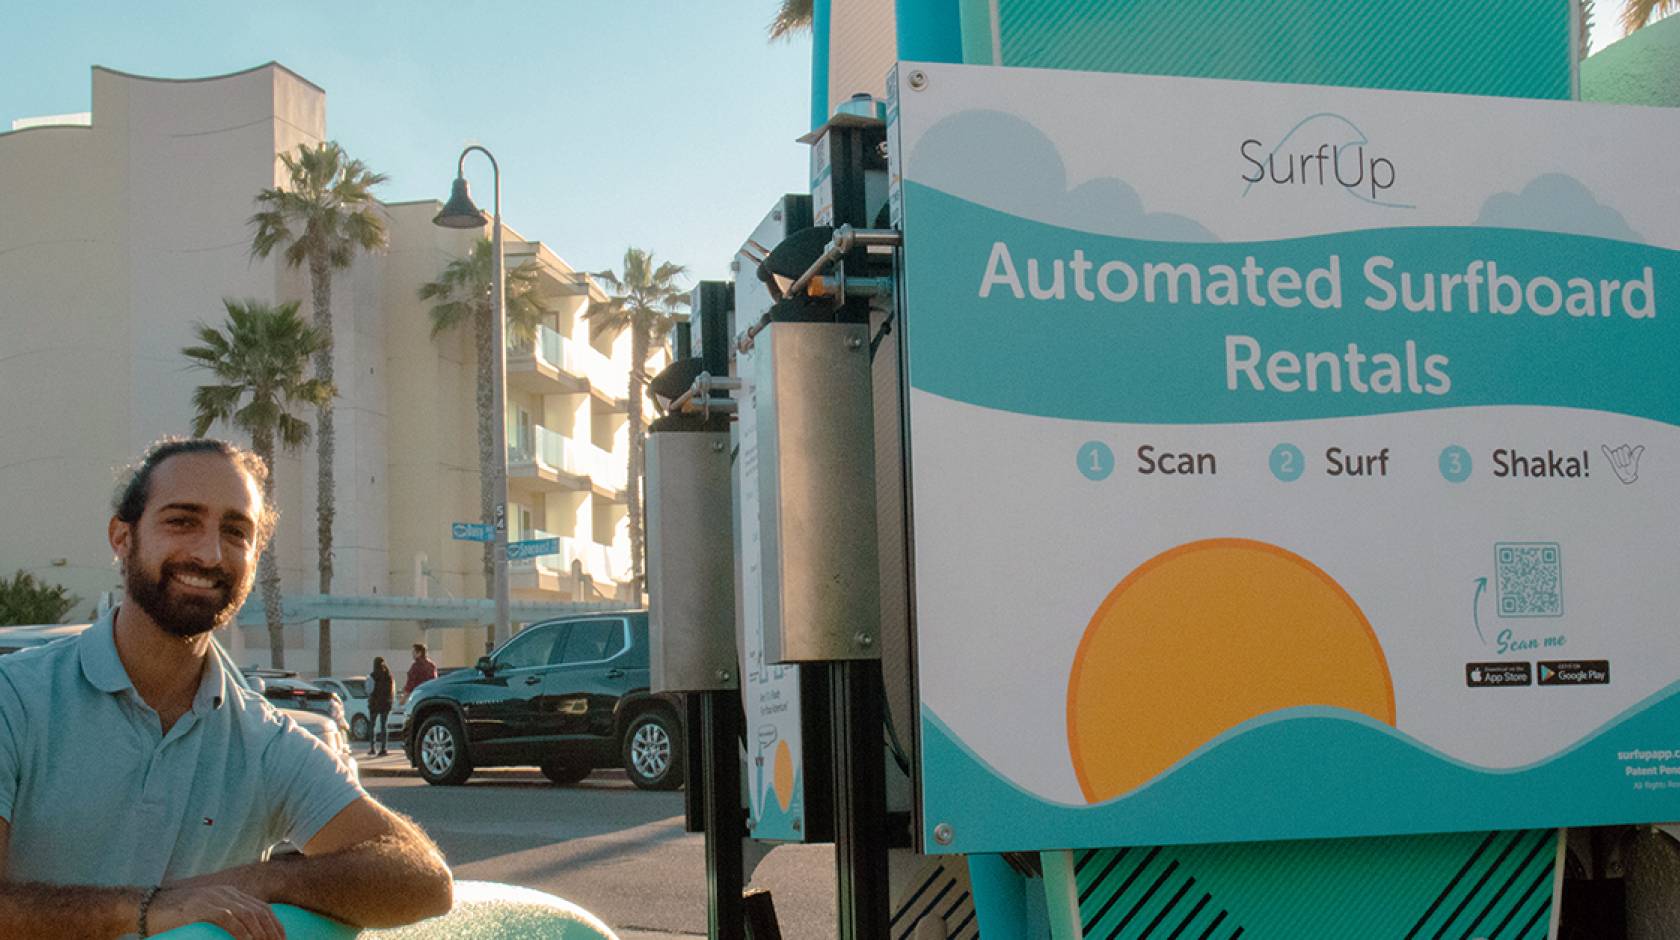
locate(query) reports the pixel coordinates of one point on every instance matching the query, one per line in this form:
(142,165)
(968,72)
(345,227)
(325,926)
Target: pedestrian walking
(421,670)
(381,689)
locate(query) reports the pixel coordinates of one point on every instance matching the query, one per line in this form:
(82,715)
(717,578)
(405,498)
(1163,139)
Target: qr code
(1530,579)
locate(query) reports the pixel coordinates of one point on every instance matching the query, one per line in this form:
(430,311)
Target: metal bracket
(698,399)
(846,239)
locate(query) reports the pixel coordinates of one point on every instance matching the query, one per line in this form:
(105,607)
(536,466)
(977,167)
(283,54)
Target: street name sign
(472,532)
(532,548)
(1285,459)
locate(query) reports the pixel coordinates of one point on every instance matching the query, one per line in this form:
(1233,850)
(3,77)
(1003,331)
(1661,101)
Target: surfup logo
(1321,152)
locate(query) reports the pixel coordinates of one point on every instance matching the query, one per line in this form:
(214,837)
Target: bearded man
(142,785)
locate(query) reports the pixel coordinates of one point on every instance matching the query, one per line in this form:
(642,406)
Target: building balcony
(553,364)
(550,364)
(609,382)
(608,471)
(540,459)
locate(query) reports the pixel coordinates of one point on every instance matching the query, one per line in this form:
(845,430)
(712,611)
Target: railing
(604,375)
(573,358)
(607,468)
(550,449)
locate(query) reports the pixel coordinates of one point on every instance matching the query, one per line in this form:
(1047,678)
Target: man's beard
(182,616)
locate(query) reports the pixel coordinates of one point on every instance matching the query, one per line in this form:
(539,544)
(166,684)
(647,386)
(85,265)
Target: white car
(352,690)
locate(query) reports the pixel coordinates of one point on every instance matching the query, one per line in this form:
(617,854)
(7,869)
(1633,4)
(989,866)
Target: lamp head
(459,211)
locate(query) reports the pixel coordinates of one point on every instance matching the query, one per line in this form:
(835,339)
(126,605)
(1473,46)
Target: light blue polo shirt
(97,794)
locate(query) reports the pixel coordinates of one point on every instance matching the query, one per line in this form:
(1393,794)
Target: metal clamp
(844,241)
(704,385)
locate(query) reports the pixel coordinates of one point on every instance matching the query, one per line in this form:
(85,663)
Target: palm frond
(261,356)
(1638,14)
(793,16)
(324,209)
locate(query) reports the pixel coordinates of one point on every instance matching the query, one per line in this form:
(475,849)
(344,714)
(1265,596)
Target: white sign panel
(1287,461)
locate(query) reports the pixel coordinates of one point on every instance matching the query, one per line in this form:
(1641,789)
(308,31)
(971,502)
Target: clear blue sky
(665,125)
(669,125)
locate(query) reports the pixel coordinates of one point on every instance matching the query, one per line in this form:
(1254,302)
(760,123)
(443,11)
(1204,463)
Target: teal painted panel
(1516,48)
(1176,346)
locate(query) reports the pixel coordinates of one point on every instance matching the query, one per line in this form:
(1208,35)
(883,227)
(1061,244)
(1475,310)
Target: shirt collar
(104,669)
(100,663)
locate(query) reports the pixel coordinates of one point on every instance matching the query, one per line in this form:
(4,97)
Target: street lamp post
(460,213)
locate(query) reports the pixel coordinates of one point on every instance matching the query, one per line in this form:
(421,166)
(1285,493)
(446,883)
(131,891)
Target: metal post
(860,800)
(726,825)
(460,213)
(498,381)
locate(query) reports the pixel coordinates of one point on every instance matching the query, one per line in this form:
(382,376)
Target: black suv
(568,695)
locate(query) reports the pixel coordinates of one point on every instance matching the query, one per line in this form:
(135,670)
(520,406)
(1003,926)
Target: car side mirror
(486,665)
(259,685)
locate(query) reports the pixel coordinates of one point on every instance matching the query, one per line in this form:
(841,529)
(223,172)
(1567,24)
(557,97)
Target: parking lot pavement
(392,764)
(619,852)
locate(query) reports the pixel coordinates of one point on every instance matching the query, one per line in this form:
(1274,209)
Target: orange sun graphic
(1202,638)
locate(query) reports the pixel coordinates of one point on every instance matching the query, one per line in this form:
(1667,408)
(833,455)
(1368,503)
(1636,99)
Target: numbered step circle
(1096,460)
(1455,464)
(1288,463)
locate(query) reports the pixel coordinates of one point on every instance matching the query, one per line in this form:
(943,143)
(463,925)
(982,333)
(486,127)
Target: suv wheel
(443,751)
(359,728)
(565,772)
(653,751)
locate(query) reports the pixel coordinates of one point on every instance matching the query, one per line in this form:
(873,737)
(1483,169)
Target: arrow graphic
(1476,609)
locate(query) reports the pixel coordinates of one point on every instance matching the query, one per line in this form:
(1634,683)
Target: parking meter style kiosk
(1263,480)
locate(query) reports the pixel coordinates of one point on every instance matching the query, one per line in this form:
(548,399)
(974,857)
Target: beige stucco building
(119,232)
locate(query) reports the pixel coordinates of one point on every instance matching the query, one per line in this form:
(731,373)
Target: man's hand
(240,914)
(368,867)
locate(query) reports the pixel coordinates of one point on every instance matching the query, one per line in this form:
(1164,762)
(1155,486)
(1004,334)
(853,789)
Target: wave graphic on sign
(1304,772)
(1202,638)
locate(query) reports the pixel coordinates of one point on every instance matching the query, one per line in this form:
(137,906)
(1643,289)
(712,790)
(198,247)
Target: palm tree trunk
(639,341)
(320,282)
(488,465)
(268,571)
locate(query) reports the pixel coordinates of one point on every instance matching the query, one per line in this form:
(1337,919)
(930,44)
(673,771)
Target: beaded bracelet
(146,902)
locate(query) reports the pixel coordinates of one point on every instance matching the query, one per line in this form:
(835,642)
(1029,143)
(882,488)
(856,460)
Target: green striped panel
(940,890)
(1518,48)
(1495,885)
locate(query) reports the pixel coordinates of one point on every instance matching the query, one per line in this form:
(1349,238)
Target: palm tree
(792,16)
(1640,13)
(1584,9)
(646,299)
(463,295)
(259,360)
(323,214)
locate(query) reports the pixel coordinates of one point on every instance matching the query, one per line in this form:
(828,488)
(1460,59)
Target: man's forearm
(71,912)
(384,882)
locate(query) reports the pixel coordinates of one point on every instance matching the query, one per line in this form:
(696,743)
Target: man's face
(418,654)
(190,560)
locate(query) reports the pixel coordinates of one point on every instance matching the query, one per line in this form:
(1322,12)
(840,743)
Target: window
(594,640)
(531,648)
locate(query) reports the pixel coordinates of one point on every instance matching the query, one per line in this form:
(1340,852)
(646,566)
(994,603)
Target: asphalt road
(619,852)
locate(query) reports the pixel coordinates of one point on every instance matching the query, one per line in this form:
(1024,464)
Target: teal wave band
(1306,773)
(1160,362)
